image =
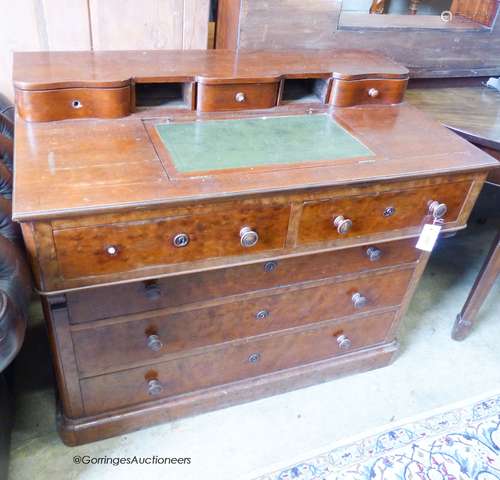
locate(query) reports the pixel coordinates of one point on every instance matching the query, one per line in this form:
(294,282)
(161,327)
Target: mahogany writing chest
(210,227)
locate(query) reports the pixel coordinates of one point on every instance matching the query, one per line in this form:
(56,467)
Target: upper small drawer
(376,213)
(347,93)
(68,103)
(223,230)
(241,96)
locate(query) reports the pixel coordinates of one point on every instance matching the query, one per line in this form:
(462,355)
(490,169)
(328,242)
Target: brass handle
(154,387)
(112,250)
(181,240)
(373,92)
(343,342)
(248,237)
(436,209)
(373,253)
(343,224)
(154,343)
(240,97)
(358,300)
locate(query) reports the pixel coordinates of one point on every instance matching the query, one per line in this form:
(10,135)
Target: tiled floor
(432,371)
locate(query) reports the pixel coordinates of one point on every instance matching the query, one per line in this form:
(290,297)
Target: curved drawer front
(378,213)
(121,247)
(232,363)
(146,339)
(67,103)
(243,96)
(346,93)
(95,304)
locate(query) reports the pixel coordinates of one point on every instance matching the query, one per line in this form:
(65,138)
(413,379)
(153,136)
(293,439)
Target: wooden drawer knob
(154,343)
(373,253)
(358,300)
(76,104)
(343,224)
(248,237)
(155,387)
(437,210)
(240,97)
(343,342)
(373,93)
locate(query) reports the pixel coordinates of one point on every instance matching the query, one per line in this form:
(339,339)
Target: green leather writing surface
(252,142)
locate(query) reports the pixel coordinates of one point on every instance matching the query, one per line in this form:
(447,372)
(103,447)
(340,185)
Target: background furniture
(15,286)
(473,111)
(238,230)
(411,40)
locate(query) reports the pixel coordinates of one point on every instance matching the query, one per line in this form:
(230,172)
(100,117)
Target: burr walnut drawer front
(67,103)
(128,246)
(242,96)
(99,303)
(233,362)
(146,338)
(349,217)
(346,93)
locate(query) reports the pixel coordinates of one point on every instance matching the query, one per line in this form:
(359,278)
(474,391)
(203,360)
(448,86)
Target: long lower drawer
(233,362)
(110,346)
(99,303)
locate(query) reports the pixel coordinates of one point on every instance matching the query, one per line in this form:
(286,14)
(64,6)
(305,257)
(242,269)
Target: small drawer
(242,96)
(67,103)
(122,247)
(347,93)
(99,303)
(342,218)
(231,363)
(145,339)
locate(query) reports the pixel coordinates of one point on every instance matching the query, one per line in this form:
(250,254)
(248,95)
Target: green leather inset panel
(251,142)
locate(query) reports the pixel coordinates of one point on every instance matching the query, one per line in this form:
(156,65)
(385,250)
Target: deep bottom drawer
(232,363)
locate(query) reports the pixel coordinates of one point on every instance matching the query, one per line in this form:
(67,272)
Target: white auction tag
(428,237)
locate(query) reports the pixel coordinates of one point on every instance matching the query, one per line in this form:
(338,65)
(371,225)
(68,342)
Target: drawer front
(346,93)
(67,103)
(99,303)
(232,363)
(378,213)
(88,251)
(144,340)
(244,96)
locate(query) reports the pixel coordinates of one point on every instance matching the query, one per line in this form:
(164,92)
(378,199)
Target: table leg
(377,6)
(482,286)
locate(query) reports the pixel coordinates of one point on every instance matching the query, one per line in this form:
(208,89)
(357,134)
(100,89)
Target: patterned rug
(456,443)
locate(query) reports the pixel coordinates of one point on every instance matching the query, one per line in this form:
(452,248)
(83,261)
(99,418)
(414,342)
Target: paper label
(428,237)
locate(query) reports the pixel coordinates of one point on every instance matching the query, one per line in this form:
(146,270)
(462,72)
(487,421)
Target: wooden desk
(181,274)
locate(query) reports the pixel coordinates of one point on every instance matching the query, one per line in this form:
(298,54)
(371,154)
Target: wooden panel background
(29,25)
(279,24)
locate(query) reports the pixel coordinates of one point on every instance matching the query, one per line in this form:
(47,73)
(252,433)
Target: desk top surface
(88,166)
(39,70)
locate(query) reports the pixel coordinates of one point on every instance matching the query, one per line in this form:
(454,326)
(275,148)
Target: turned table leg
(482,286)
(377,6)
